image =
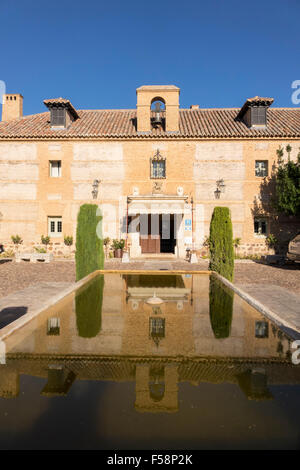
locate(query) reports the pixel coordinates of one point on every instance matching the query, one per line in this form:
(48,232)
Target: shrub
(236,242)
(271,241)
(45,241)
(16,239)
(89,243)
(106,244)
(221,243)
(206,242)
(88,303)
(68,240)
(40,250)
(118,244)
(7,254)
(220,308)
(106,241)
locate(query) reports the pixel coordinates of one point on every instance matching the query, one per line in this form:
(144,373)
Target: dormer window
(254,111)
(62,113)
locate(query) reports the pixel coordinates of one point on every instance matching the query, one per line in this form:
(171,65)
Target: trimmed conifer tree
(89,241)
(220,308)
(221,243)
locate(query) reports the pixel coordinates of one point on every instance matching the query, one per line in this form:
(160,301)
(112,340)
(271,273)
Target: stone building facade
(157,171)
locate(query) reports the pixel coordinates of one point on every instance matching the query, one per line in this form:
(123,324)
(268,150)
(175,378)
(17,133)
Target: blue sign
(188,225)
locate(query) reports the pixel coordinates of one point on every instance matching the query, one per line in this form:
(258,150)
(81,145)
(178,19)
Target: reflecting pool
(140,361)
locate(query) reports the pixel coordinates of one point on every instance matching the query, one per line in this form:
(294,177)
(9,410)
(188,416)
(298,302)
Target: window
(261,168)
(158,169)
(261,329)
(58,116)
(260,226)
(55,168)
(157,327)
(158,166)
(258,116)
(54,226)
(53,327)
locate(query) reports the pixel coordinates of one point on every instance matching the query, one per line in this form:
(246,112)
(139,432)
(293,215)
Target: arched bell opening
(157,383)
(158,112)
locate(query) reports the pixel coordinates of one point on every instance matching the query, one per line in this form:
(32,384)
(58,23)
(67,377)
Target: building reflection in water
(106,331)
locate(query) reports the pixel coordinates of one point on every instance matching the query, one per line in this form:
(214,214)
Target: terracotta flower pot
(118,253)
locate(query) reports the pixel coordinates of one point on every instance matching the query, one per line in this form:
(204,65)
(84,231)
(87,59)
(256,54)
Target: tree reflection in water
(220,308)
(88,302)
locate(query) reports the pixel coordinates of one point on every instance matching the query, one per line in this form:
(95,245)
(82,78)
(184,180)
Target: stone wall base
(58,249)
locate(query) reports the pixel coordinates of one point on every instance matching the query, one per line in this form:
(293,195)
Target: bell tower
(168,95)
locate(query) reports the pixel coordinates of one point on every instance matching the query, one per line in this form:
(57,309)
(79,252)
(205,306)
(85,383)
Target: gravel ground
(15,276)
(287,276)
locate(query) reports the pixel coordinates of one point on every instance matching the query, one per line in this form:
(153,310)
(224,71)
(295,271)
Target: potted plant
(236,243)
(118,246)
(68,241)
(45,240)
(106,244)
(17,240)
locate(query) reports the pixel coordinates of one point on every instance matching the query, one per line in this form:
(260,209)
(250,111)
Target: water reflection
(88,305)
(220,308)
(107,331)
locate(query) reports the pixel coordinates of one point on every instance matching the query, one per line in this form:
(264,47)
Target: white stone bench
(34,257)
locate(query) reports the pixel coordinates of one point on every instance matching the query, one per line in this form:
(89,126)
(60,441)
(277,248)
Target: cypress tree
(221,243)
(88,304)
(89,241)
(220,308)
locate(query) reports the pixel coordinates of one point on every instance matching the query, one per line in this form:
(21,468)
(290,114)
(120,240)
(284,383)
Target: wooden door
(149,243)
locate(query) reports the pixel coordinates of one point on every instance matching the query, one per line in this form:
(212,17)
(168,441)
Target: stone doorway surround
(156,204)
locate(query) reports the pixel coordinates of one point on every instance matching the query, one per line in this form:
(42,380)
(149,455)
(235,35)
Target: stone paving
(278,299)
(33,298)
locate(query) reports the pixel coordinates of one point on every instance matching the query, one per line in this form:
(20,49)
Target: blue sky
(96,53)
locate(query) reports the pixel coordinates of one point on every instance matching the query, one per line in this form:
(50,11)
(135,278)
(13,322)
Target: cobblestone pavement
(15,276)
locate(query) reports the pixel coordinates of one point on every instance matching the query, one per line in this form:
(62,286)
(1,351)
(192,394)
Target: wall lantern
(95,188)
(220,188)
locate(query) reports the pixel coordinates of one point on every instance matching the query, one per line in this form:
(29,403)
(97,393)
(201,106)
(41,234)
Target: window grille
(158,166)
(53,327)
(261,168)
(58,117)
(260,226)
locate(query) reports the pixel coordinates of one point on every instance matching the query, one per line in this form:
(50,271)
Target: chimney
(194,106)
(12,107)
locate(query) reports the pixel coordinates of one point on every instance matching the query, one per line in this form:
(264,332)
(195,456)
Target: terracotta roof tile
(193,123)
